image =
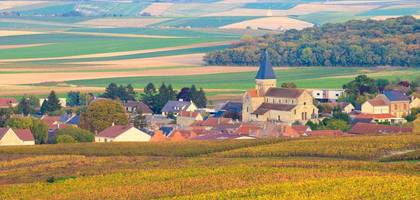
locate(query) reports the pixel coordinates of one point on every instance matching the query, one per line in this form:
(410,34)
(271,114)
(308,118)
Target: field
(257,169)
(85,45)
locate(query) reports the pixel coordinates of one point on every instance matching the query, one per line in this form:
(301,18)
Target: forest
(392,42)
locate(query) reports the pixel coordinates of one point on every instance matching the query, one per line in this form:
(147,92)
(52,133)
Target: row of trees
(355,43)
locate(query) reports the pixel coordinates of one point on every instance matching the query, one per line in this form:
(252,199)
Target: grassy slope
(203,22)
(154,170)
(314,77)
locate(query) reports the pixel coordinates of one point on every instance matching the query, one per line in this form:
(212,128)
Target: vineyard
(309,168)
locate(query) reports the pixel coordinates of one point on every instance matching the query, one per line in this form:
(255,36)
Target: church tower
(266,78)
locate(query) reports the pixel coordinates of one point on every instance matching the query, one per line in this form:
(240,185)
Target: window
(304,103)
(395,106)
(256,116)
(337,95)
(317,94)
(278,117)
(405,106)
(295,112)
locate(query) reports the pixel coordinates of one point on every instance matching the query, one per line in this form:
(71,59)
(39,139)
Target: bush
(77,135)
(65,139)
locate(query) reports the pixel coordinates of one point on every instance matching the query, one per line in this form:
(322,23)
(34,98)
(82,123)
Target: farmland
(214,169)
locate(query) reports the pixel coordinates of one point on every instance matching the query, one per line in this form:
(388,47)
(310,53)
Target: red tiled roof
(24,134)
(378,102)
(6,102)
(212,122)
(158,137)
(188,114)
(253,93)
(50,120)
(326,133)
(54,127)
(3,131)
(179,135)
(114,131)
(374,116)
(247,128)
(301,129)
(367,128)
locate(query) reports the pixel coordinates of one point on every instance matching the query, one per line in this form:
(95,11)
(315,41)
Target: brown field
(132,22)
(13,4)
(15,90)
(157,9)
(248,12)
(123,53)
(272,23)
(30,78)
(11,33)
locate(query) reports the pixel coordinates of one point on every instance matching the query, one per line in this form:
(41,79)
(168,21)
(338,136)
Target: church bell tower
(266,78)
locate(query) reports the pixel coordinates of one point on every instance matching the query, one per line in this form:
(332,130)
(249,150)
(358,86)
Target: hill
(308,168)
(355,43)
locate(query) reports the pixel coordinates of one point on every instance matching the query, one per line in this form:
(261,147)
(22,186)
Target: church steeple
(266,70)
(266,78)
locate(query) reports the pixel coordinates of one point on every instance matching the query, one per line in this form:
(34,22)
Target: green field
(309,77)
(320,18)
(202,22)
(308,168)
(392,11)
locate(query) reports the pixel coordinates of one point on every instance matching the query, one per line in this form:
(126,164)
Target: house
(367,128)
(399,103)
(9,137)
(316,133)
(327,95)
(379,118)
(137,106)
(268,103)
(187,118)
(158,136)
(181,135)
(122,133)
(212,122)
(230,109)
(415,102)
(376,105)
(222,136)
(8,102)
(175,107)
(249,128)
(63,101)
(346,107)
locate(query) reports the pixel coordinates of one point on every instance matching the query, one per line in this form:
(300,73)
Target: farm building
(327,95)
(268,103)
(122,133)
(9,136)
(175,107)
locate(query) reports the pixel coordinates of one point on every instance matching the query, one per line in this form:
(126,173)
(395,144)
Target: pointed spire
(266,70)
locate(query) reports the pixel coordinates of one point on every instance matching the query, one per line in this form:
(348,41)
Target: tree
(101,114)
(201,99)
(52,103)
(111,92)
(27,105)
(337,124)
(40,131)
(288,85)
(140,120)
(361,85)
(77,134)
(381,84)
(20,122)
(44,107)
(73,99)
(64,139)
(150,89)
(5,114)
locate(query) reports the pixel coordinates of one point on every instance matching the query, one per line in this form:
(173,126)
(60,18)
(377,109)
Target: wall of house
(11,139)
(133,135)
(349,108)
(250,104)
(369,109)
(262,85)
(185,121)
(399,109)
(415,103)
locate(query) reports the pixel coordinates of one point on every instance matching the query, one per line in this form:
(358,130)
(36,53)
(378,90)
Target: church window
(304,103)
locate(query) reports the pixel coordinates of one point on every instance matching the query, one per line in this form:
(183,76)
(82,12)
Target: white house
(375,106)
(327,95)
(175,107)
(63,101)
(122,133)
(9,137)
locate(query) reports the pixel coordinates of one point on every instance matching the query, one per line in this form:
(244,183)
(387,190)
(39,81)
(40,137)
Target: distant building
(392,102)
(8,102)
(63,101)
(327,95)
(122,133)
(375,106)
(137,106)
(268,103)
(187,118)
(415,102)
(12,137)
(175,107)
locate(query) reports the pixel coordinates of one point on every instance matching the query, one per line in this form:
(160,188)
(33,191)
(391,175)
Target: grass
(71,45)
(195,170)
(310,77)
(203,22)
(324,17)
(392,11)
(281,5)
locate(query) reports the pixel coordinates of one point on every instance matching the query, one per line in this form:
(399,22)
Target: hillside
(309,168)
(391,42)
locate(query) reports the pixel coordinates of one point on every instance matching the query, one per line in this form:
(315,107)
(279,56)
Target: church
(269,103)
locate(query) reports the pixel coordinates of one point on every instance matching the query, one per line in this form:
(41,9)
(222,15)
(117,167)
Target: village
(363,106)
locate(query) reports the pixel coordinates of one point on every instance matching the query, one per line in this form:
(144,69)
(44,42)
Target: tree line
(393,42)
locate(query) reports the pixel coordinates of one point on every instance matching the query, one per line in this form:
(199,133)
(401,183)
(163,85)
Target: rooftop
(284,92)
(266,70)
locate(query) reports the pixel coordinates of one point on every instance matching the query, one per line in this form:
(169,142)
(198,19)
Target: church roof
(265,107)
(266,70)
(284,92)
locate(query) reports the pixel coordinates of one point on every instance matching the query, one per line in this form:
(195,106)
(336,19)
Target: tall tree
(201,99)
(5,114)
(53,103)
(288,85)
(28,105)
(101,114)
(140,120)
(111,92)
(73,99)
